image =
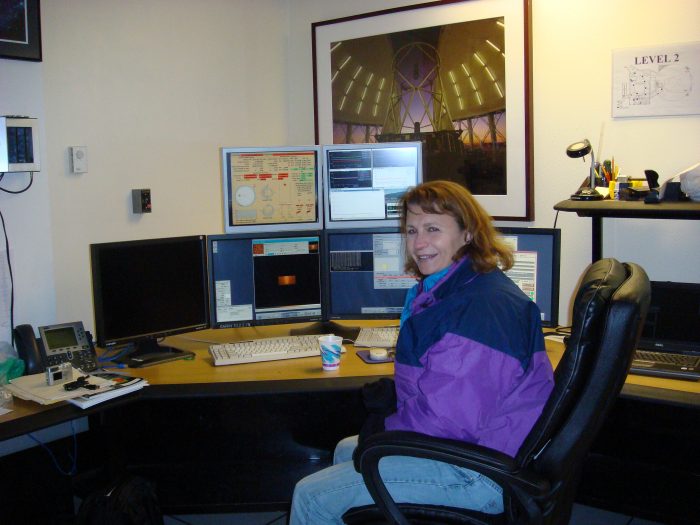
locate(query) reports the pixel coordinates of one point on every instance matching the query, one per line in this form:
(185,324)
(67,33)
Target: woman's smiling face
(432,239)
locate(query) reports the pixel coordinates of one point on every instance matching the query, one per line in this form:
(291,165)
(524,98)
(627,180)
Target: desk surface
(200,378)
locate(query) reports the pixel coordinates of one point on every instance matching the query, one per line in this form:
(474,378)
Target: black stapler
(653,180)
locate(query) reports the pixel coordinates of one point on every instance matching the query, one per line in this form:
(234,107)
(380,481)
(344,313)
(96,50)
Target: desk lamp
(578,150)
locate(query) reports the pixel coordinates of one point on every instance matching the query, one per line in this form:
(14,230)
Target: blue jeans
(323,497)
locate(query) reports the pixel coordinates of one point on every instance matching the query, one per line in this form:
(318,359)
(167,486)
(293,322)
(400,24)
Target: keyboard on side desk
(379,336)
(666,364)
(265,349)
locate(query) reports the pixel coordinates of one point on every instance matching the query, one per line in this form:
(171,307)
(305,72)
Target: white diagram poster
(658,80)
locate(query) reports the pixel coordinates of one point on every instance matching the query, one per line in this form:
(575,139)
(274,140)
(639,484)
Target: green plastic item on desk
(10,368)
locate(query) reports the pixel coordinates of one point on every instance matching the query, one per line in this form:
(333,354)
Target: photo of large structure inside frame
(443,85)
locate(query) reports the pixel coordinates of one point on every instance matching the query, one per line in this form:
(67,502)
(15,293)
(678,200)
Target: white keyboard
(265,349)
(380,336)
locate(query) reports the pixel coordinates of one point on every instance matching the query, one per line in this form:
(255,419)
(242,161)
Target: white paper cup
(330,351)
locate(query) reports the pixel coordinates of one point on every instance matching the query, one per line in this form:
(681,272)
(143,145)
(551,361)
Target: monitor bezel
(229,228)
(213,323)
(97,253)
(327,274)
(369,223)
(555,234)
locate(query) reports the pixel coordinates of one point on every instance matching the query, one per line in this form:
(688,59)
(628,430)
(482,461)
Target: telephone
(59,343)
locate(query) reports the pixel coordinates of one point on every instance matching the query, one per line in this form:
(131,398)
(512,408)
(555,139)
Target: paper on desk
(34,388)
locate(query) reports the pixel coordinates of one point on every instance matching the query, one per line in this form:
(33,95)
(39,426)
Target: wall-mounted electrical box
(141,200)
(19,144)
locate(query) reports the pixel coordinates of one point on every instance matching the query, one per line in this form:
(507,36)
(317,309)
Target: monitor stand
(148,352)
(328,327)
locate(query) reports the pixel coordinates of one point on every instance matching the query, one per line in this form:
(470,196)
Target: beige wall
(154,88)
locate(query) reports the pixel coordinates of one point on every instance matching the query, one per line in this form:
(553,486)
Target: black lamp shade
(579,149)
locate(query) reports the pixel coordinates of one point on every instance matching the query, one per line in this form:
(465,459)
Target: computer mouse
(378,354)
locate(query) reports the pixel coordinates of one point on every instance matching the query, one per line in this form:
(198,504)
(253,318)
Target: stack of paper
(34,388)
(120,385)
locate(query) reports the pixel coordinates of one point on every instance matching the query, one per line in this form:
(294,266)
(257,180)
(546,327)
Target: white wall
(572,46)
(154,88)
(27,215)
(572,98)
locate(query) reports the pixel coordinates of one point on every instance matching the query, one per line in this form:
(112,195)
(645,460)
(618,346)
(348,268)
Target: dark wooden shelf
(687,210)
(597,210)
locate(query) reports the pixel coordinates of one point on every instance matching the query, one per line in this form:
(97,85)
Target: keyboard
(380,336)
(666,364)
(265,349)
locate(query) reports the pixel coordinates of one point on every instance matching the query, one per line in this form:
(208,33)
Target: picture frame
(350,54)
(20,30)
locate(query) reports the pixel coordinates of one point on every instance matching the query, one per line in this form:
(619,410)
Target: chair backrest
(608,313)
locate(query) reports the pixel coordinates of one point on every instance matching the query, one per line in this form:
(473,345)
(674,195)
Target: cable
(12,284)
(31,181)
(74,467)
(555,220)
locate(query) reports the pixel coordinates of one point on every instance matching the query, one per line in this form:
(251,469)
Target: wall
(572,66)
(26,216)
(153,89)
(572,99)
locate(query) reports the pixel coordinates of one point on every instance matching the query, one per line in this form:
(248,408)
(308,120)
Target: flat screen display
(365,272)
(259,279)
(363,183)
(271,189)
(536,269)
(148,289)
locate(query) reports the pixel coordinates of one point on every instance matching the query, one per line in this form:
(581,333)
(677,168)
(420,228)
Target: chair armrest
(518,484)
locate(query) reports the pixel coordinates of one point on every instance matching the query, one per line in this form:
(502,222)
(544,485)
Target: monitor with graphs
(271,189)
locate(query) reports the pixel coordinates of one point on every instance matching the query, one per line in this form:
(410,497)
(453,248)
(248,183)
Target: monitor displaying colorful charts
(271,189)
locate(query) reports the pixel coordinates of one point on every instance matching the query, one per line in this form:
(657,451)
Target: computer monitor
(536,269)
(363,183)
(271,189)
(261,279)
(148,289)
(365,274)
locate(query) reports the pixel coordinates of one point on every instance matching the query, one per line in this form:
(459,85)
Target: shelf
(687,210)
(597,210)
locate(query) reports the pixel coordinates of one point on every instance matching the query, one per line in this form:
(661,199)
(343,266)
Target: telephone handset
(60,343)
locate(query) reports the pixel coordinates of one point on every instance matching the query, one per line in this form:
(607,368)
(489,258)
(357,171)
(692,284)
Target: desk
(686,210)
(199,378)
(236,438)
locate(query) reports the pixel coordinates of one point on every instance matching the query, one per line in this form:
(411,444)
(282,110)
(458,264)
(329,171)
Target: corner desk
(237,438)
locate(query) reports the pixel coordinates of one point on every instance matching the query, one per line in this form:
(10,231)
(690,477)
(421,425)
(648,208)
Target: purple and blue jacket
(470,362)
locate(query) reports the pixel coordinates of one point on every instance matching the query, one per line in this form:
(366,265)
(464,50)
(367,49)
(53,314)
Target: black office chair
(539,484)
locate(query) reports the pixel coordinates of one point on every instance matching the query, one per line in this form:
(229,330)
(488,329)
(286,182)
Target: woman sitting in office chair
(470,363)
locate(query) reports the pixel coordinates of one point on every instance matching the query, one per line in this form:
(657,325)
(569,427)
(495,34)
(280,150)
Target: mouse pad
(364,355)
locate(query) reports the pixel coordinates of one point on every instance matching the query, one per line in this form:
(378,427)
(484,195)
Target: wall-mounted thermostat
(19,144)
(78,159)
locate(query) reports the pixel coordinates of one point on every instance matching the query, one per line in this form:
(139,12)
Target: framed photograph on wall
(20,30)
(454,75)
